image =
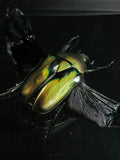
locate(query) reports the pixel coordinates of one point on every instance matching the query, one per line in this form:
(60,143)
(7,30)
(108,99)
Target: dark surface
(100,39)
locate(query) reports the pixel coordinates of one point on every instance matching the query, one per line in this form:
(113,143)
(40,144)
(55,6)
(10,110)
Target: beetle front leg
(71,44)
(100,68)
(10,91)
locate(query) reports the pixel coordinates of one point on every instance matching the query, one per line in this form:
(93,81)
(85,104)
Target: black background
(53,27)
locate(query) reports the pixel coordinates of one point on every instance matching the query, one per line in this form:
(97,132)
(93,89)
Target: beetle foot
(47,129)
(101,68)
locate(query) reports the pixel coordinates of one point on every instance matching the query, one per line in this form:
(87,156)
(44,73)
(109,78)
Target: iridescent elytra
(54,78)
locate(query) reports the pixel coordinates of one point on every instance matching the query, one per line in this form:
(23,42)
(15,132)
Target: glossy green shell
(50,82)
(56,90)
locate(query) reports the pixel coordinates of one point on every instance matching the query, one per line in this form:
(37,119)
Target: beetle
(57,82)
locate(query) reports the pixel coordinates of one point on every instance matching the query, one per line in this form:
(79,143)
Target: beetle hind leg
(58,126)
(52,124)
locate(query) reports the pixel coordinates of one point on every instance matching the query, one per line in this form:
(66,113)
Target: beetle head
(86,60)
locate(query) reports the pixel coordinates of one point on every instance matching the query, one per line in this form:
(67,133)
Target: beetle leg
(100,68)
(65,122)
(10,91)
(71,44)
(51,123)
(62,124)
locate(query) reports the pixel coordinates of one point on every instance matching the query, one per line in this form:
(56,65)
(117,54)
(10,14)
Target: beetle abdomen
(56,90)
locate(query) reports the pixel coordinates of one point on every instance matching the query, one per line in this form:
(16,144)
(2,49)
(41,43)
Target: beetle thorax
(79,61)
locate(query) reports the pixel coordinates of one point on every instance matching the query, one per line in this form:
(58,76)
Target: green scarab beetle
(57,81)
(53,80)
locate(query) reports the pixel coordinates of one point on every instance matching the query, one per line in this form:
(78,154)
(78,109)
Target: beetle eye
(92,62)
(84,59)
(88,61)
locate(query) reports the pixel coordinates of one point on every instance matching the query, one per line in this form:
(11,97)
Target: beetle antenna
(10,92)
